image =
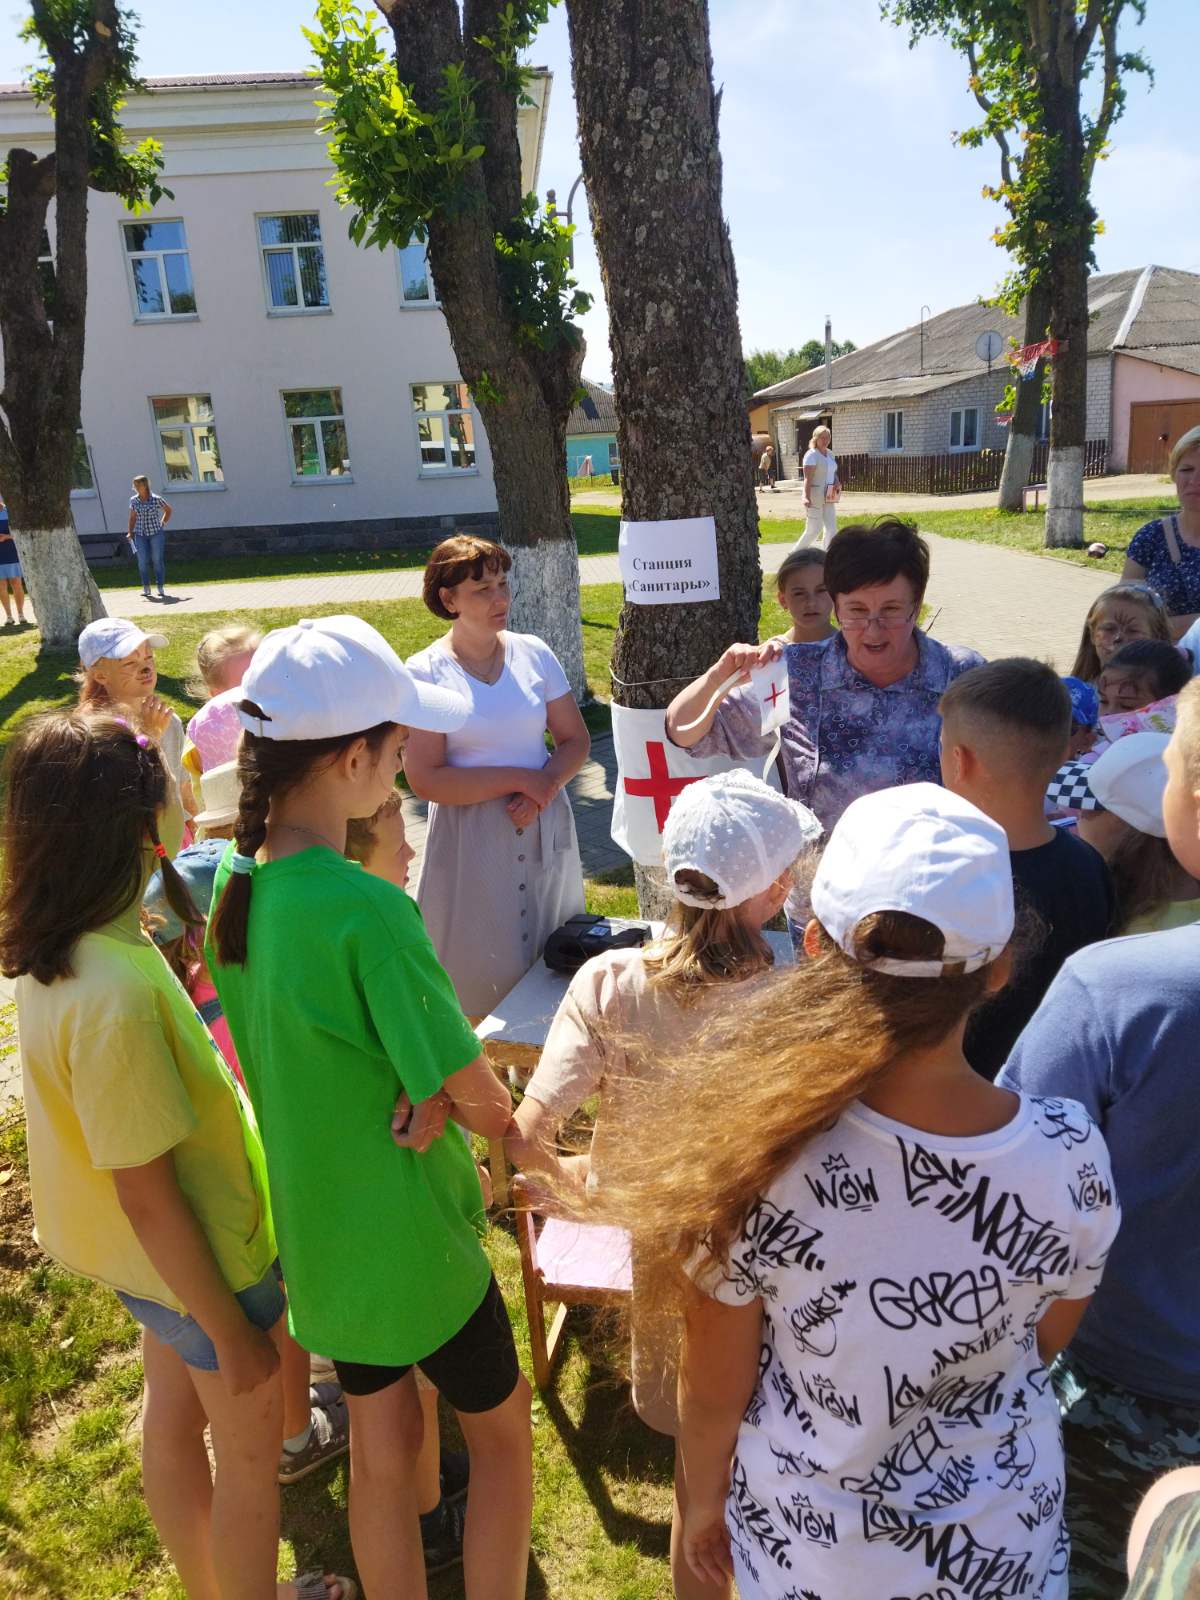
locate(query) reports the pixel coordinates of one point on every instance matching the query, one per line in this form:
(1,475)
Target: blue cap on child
(1085,702)
(197,866)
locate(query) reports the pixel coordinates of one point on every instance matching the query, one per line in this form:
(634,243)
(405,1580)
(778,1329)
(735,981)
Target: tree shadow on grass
(610,1444)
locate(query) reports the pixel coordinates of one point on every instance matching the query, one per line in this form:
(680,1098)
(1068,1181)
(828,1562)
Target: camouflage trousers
(1116,1444)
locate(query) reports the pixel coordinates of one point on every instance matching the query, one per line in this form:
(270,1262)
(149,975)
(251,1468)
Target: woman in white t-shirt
(501,867)
(878,1252)
(730,846)
(821,491)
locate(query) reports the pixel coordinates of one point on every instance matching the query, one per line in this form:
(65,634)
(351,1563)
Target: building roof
(208,80)
(605,406)
(898,388)
(1132,312)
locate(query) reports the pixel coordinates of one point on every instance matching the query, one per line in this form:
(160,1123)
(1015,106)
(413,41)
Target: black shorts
(476,1369)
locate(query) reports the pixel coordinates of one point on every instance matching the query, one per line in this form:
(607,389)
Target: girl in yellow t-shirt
(145,1162)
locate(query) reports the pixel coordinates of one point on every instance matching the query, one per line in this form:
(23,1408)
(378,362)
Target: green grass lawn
(1113,522)
(72,1518)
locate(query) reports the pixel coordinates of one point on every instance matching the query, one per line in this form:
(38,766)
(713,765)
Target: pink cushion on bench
(584,1255)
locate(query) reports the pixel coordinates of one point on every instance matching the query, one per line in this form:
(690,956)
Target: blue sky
(843,191)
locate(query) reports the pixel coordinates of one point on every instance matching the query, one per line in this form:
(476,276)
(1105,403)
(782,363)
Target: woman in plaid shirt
(148,518)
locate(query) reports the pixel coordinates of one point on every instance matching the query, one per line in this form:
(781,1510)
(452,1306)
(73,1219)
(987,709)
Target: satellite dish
(988,346)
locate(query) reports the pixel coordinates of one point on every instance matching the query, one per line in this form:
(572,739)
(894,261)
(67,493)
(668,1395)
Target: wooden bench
(1034,489)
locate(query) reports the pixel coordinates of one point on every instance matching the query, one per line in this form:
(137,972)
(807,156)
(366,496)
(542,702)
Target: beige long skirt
(492,894)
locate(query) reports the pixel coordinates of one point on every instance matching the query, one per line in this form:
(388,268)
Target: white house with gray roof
(279,385)
(926,392)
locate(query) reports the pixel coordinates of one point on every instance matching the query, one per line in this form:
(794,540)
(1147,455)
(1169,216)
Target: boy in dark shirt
(1005,728)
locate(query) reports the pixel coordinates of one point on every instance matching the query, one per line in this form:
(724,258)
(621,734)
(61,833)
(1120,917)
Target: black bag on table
(583,936)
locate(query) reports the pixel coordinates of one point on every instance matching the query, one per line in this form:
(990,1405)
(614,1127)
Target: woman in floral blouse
(864,703)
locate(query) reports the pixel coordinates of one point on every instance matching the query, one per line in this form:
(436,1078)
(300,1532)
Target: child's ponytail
(267,769)
(231,917)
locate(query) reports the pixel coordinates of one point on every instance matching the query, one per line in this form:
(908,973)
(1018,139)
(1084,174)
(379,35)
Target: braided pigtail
(231,918)
(268,769)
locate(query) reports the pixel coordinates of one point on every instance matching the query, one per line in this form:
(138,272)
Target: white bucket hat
(1130,778)
(113,638)
(738,831)
(220,792)
(920,849)
(333,676)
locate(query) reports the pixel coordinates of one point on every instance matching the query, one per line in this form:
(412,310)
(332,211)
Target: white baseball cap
(220,793)
(114,638)
(920,849)
(1129,780)
(331,676)
(739,832)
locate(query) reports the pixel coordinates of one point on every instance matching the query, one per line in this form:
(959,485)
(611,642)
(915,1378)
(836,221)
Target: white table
(514,1033)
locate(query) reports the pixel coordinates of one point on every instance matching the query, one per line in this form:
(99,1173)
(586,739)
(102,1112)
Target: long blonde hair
(1087,661)
(703,945)
(691,1149)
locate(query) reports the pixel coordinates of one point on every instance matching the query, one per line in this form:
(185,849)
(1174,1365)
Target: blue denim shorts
(263,1303)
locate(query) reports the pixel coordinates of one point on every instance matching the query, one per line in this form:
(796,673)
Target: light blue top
(1190,642)
(1118,1032)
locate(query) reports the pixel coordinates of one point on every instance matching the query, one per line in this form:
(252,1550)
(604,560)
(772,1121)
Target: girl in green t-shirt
(145,1162)
(340,1012)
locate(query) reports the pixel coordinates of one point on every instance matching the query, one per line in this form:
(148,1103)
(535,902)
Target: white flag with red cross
(651,774)
(769,684)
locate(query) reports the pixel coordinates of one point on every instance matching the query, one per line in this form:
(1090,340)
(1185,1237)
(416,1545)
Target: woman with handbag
(501,867)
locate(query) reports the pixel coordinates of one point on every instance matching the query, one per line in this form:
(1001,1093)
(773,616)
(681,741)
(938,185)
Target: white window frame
(198,487)
(447,471)
(893,449)
(300,480)
(85,494)
(157,256)
(300,310)
(962,413)
(432,303)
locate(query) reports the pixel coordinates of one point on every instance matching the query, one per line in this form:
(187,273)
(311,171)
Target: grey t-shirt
(1118,1031)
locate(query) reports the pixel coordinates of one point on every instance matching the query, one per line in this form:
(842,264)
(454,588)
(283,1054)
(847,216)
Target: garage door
(1154,426)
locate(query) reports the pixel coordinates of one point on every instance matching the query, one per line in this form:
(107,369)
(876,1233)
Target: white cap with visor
(925,851)
(330,677)
(738,831)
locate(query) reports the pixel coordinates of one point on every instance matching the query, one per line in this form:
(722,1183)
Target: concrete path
(1002,602)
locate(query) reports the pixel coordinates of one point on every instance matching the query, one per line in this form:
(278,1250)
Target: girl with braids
(877,1252)
(337,1005)
(145,1162)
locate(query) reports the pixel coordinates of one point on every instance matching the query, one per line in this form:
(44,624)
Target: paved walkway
(1003,602)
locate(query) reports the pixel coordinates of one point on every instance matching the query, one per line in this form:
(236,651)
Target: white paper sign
(669,563)
(651,774)
(770,687)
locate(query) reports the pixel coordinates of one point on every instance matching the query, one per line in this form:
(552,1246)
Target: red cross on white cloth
(651,775)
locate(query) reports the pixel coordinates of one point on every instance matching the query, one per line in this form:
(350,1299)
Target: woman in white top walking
(501,868)
(821,491)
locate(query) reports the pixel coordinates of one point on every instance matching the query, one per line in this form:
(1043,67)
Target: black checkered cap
(1069,789)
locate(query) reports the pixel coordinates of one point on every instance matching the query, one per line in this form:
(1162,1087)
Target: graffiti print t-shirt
(903,1437)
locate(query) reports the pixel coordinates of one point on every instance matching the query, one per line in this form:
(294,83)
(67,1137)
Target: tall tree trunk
(648,135)
(43,364)
(1068,258)
(524,394)
(1022,430)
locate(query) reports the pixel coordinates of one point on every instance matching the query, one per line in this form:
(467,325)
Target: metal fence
(960,473)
